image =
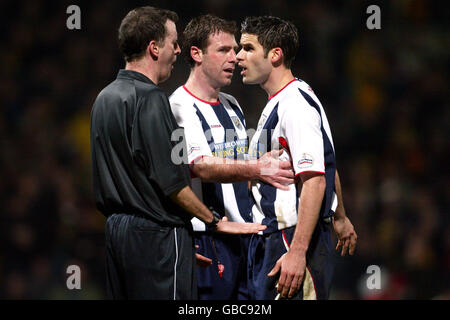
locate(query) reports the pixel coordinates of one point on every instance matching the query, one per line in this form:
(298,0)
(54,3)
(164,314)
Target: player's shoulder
(180,100)
(227,97)
(181,104)
(288,97)
(294,90)
(179,95)
(305,87)
(295,98)
(223,95)
(300,90)
(301,83)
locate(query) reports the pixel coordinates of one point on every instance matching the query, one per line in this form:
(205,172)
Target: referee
(146,198)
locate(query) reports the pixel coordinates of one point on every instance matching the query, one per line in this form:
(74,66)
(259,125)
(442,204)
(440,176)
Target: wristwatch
(213,224)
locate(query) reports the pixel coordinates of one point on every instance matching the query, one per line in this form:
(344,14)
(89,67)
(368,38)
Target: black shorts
(145,260)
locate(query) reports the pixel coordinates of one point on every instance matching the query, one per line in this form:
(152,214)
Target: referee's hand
(225,226)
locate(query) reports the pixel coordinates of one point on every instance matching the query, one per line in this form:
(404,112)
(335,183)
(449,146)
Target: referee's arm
(186,198)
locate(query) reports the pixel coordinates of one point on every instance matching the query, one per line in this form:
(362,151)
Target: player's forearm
(224,170)
(186,199)
(308,212)
(340,210)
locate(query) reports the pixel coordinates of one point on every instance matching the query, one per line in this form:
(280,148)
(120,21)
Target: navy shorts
(265,250)
(230,251)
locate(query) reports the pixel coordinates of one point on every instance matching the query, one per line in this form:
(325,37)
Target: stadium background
(385,92)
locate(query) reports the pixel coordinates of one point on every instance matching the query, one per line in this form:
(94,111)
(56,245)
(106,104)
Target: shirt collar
(129,74)
(282,88)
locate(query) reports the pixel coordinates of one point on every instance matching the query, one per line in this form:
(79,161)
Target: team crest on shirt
(237,122)
(261,122)
(306,161)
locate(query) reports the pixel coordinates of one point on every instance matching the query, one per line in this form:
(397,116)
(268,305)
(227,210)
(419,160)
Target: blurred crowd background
(385,92)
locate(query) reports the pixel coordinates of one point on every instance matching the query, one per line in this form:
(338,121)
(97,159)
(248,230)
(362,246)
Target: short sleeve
(196,142)
(302,131)
(153,146)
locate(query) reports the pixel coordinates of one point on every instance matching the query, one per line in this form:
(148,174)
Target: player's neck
(277,80)
(142,67)
(199,85)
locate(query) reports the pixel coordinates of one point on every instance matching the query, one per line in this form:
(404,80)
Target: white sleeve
(186,117)
(302,131)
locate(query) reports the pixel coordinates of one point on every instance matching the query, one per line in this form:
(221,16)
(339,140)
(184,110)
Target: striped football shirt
(214,129)
(293,119)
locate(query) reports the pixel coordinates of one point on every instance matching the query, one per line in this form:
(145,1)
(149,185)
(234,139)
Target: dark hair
(198,30)
(139,27)
(274,32)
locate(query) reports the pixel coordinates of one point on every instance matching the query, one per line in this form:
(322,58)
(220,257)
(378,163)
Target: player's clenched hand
(291,266)
(274,171)
(225,226)
(346,235)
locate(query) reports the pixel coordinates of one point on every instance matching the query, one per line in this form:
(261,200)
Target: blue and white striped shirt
(293,119)
(214,129)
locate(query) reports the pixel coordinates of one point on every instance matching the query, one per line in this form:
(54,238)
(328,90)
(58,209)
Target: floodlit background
(385,93)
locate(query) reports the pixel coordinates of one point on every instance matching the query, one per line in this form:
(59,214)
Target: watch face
(215,213)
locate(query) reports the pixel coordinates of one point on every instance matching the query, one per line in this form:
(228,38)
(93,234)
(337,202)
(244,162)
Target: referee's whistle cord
(220,266)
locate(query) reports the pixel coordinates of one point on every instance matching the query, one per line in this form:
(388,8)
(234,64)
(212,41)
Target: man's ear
(153,50)
(276,56)
(196,54)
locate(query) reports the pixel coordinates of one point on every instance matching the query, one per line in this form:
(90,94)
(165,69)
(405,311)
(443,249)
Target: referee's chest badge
(237,122)
(306,161)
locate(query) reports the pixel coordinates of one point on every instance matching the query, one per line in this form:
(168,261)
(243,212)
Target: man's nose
(233,56)
(239,55)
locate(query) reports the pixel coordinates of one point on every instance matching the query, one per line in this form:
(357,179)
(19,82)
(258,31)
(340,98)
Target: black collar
(129,74)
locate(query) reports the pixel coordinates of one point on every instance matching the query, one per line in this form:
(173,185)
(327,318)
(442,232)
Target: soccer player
(145,196)
(293,256)
(214,128)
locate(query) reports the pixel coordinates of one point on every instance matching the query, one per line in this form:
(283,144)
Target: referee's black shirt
(131,128)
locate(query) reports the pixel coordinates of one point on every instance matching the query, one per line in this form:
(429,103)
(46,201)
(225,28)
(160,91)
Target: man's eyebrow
(226,47)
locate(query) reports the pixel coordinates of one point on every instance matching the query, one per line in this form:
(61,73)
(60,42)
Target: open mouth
(243,70)
(229,70)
